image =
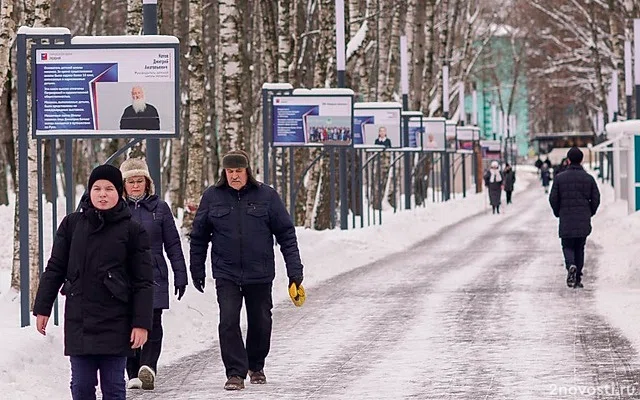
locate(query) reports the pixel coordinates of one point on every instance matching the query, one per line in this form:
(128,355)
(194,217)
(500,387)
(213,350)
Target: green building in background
(497,73)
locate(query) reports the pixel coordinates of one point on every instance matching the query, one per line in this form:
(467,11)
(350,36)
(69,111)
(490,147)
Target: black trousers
(149,353)
(236,358)
(508,192)
(573,250)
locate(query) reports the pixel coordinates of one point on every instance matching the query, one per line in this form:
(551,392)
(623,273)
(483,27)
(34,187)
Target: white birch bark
(196,115)
(231,124)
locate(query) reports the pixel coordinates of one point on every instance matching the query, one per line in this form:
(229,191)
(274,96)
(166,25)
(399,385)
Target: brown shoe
(257,377)
(234,383)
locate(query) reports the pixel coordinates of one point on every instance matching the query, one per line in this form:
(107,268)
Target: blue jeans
(84,377)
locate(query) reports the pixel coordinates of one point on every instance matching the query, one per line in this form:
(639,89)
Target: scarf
(495,176)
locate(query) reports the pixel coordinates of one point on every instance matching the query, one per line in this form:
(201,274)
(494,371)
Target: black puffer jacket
(240,226)
(574,199)
(102,261)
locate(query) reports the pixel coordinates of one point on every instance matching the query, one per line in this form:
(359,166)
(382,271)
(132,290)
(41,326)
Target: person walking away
(509,181)
(102,261)
(239,216)
(545,176)
(493,180)
(155,216)
(574,199)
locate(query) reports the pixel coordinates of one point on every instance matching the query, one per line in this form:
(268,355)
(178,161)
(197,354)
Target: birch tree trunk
(385,18)
(231,132)
(430,46)
(7,37)
(40,18)
(178,153)
(134,17)
(392,60)
(284,39)
(318,213)
(270,43)
(196,115)
(417,58)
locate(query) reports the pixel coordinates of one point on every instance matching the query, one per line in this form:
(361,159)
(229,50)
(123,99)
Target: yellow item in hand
(297,294)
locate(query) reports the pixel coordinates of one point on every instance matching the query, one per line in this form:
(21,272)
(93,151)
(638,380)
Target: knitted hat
(575,155)
(137,167)
(494,164)
(107,172)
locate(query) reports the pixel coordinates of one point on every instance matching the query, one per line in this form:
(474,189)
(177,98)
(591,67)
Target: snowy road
(479,311)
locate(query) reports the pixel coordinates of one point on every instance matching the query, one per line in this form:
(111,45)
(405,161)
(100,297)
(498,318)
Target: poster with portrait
(312,120)
(373,124)
(433,134)
(111,91)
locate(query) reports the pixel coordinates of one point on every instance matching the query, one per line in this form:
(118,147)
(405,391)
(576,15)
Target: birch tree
(196,115)
(231,124)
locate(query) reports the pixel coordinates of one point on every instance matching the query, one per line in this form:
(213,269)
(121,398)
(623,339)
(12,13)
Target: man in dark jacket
(140,114)
(574,199)
(240,216)
(101,259)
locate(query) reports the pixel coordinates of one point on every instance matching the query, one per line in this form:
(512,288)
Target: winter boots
(571,275)
(257,377)
(234,383)
(147,377)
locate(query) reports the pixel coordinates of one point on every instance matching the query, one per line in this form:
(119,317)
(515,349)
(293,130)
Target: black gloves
(199,284)
(296,279)
(180,291)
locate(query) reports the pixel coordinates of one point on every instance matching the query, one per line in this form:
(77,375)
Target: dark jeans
(149,353)
(573,250)
(236,358)
(84,377)
(508,192)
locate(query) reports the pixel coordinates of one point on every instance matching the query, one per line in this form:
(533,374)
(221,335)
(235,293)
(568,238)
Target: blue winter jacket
(241,226)
(156,218)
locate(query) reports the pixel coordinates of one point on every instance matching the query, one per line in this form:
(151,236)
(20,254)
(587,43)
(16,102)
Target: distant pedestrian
(509,181)
(493,179)
(574,199)
(545,177)
(101,260)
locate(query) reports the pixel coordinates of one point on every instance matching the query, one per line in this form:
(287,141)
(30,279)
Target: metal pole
(636,63)
(379,188)
(344,196)
(284,172)
(292,183)
(150,27)
(265,137)
(23,178)
(40,208)
(395,185)
(464,176)
(354,185)
(332,189)
(54,212)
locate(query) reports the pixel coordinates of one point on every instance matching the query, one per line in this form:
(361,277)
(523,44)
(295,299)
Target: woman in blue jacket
(155,216)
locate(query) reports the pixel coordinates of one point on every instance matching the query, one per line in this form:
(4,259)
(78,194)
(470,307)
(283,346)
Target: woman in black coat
(509,181)
(155,216)
(102,261)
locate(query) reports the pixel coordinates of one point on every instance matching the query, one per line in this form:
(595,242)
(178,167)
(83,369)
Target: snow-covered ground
(33,367)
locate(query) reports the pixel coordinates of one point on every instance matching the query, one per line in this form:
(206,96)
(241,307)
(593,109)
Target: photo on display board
(382,134)
(134,106)
(433,141)
(328,130)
